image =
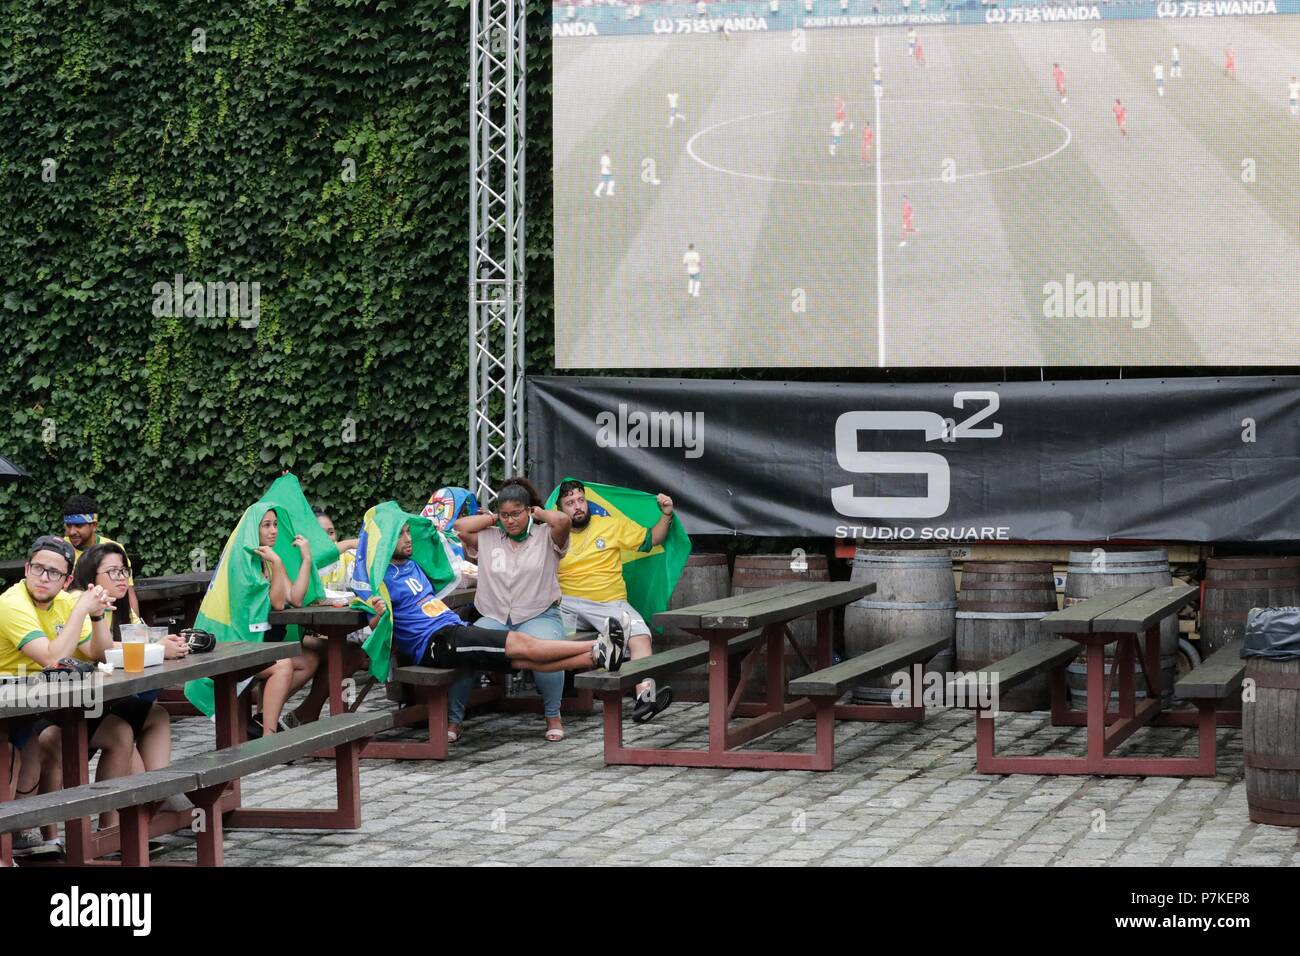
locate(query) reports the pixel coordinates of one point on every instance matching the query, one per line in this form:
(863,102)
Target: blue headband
(80,519)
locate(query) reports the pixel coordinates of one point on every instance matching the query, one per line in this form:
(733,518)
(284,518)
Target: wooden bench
(1044,657)
(1216,678)
(423,702)
(1130,618)
(129,795)
(205,778)
(750,626)
(833,681)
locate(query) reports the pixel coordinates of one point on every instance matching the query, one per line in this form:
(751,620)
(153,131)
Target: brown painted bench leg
(211,826)
(430,710)
(134,836)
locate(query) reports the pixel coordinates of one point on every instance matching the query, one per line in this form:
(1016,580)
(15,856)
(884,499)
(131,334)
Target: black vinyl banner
(1196,459)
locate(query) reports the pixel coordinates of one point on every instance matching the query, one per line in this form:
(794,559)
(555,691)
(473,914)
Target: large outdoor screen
(932,184)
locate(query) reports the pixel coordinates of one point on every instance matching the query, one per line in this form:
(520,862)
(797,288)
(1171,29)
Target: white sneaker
(610,638)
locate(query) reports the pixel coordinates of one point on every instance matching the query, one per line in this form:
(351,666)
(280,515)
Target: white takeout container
(153,656)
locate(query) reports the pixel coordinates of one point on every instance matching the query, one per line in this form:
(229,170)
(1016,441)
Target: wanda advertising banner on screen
(1198,459)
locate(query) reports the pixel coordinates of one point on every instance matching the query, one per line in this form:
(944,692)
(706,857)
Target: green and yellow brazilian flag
(238,601)
(651,575)
(430,549)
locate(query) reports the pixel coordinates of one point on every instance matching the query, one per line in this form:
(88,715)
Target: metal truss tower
(496,254)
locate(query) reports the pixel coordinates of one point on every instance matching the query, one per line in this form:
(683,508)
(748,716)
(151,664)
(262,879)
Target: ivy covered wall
(309,155)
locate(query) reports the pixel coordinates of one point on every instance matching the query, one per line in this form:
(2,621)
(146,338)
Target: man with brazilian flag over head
(626,551)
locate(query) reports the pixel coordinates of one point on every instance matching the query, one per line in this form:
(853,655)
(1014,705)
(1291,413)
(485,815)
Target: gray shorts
(590,614)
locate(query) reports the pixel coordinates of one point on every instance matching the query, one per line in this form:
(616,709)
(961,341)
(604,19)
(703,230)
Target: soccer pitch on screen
(1007,194)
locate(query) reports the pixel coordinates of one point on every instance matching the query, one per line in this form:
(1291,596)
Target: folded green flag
(430,549)
(238,600)
(651,575)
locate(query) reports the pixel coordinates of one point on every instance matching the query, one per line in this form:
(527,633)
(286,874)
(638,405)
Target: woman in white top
(518,547)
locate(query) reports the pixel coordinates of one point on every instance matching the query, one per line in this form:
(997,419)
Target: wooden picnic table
(227,664)
(1130,618)
(188,589)
(754,624)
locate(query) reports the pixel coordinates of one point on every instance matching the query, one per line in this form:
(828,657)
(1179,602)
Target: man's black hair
(320,512)
(572,484)
(81,505)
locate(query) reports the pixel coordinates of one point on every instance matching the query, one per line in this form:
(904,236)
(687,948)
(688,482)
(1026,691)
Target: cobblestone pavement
(901,795)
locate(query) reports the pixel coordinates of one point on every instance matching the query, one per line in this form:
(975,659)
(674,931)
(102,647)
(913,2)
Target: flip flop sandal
(454,735)
(554,735)
(647,710)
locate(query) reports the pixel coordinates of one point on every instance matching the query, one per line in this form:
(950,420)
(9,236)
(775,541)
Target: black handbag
(200,642)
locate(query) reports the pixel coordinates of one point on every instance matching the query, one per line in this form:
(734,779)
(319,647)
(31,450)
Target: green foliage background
(226,165)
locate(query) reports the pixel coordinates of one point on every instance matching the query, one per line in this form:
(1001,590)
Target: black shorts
(24,729)
(469,647)
(131,709)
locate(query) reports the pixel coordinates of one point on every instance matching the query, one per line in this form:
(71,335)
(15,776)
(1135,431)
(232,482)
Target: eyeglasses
(512,515)
(46,574)
(116,574)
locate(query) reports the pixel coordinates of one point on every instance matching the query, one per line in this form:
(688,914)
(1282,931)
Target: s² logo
(932,465)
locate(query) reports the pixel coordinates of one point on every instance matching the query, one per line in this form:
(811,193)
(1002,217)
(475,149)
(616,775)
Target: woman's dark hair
(519,490)
(87,569)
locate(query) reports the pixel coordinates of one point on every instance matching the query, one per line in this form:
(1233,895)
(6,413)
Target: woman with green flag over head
(269,563)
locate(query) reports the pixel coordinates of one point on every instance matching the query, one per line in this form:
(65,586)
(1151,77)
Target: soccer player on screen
(868,143)
(674,114)
(920,53)
(908,226)
(1230,63)
(606,175)
(1293,96)
(1175,64)
(837,133)
(911,41)
(1121,116)
(1158,71)
(1058,77)
(693,274)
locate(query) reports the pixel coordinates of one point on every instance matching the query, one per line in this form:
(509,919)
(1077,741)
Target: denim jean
(549,627)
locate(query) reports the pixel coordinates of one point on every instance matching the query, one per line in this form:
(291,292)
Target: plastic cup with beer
(135,638)
(570,623)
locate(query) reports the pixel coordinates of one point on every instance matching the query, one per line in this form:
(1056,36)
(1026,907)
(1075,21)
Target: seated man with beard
(591,580)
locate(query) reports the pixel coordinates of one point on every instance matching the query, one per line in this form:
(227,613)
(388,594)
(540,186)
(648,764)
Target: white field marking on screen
(838,184)
(880,223)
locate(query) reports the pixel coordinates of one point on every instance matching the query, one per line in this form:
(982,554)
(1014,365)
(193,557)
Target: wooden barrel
(1092,572)
(1270,729)
(1235,585)
(915,596)
(706,577)
(756,571)
(998,610)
